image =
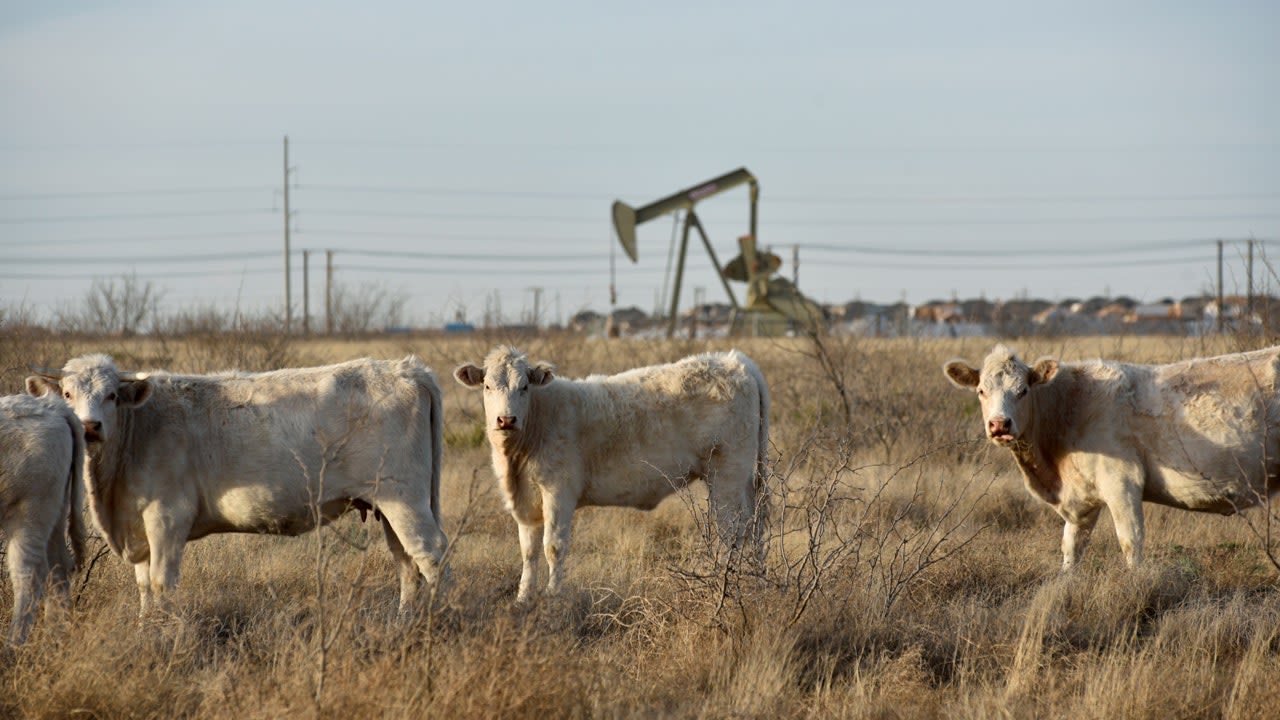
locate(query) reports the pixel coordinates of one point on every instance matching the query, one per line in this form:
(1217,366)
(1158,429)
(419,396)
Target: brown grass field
(909,574)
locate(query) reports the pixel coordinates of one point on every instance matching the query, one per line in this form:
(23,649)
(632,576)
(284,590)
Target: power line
(452,192)
(915,265)
(877,149)
(139,238)
(492,260)
(138,259)
(162,275)
(165,192)
(809,222)
(1104,220)
(481,257)
(429,235)
(1006,252)
(542,272)
(852,199)
(132,216)
(484,217)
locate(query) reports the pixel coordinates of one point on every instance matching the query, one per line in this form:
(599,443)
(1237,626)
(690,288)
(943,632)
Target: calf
(41,496)
(625,440)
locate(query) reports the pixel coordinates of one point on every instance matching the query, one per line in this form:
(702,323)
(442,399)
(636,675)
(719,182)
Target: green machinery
(774,304)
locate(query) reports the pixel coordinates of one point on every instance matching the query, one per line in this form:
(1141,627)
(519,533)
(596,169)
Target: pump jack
(773,303)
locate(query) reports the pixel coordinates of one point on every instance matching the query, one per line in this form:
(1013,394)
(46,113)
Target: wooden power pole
(306,293)
(328,292)
(1221,296)
(288,294)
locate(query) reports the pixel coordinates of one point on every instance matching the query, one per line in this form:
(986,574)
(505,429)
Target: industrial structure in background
(774,305)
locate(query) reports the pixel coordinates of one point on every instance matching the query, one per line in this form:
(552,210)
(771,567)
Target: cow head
(507,377)
(94,389)
(1005,387)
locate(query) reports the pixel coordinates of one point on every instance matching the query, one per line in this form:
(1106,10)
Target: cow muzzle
(92,430)
(507,423)
(1000,430)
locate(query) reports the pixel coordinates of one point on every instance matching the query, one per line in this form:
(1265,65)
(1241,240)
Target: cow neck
(1039,454)
(517,448)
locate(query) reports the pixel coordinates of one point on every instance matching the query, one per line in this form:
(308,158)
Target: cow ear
(961,375)
(541,373)
(469,375)
(1046,369)
(39,385)
(134,393)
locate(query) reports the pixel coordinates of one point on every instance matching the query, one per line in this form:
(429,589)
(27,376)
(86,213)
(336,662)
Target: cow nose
(92,430)
(998,426)
(506,422)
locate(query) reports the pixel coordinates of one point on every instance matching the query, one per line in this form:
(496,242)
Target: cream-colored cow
(173,458)
(1199,435)
(626,440)
(41,500)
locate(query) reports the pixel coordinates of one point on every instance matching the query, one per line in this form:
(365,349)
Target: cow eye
(982,393)
(1022,392)
(111,397)
(524,388)
(67,394)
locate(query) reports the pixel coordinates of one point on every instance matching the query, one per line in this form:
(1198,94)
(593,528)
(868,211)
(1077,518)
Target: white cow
(41,494)
(1198,435)
(172,458)
(625,440)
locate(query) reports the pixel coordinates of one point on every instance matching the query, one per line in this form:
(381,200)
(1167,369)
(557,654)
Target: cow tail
(762,450)
(75,483)
(437,446)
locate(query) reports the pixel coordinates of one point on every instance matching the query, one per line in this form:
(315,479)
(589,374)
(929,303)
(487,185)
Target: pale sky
(471,151)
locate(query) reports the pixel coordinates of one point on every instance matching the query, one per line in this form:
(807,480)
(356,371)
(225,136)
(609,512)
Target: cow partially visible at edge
(1200,435)
(172,458)
(624,440)
(41,501)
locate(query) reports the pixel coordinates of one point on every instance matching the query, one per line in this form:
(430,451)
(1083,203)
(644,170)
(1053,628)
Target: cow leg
(142,576)
(1075,537)
(731,490)
(557,525)
(61,564)
(419,539)
(409,575)
(1125,504)
(530,549)
(166,539)
(29,568)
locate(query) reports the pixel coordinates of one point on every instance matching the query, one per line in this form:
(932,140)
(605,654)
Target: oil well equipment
(774,305)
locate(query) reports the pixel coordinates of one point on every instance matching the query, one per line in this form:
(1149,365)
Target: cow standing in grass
(173,458)
(1199,435)
(625,440)
(41,498)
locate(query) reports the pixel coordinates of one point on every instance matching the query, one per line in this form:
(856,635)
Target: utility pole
(306,293)
(288,290)
(537,301)
(328,292)
(1221,298)
(795,265)
(1248,303)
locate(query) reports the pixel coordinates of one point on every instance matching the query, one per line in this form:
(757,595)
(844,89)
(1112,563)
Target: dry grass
(909,574)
